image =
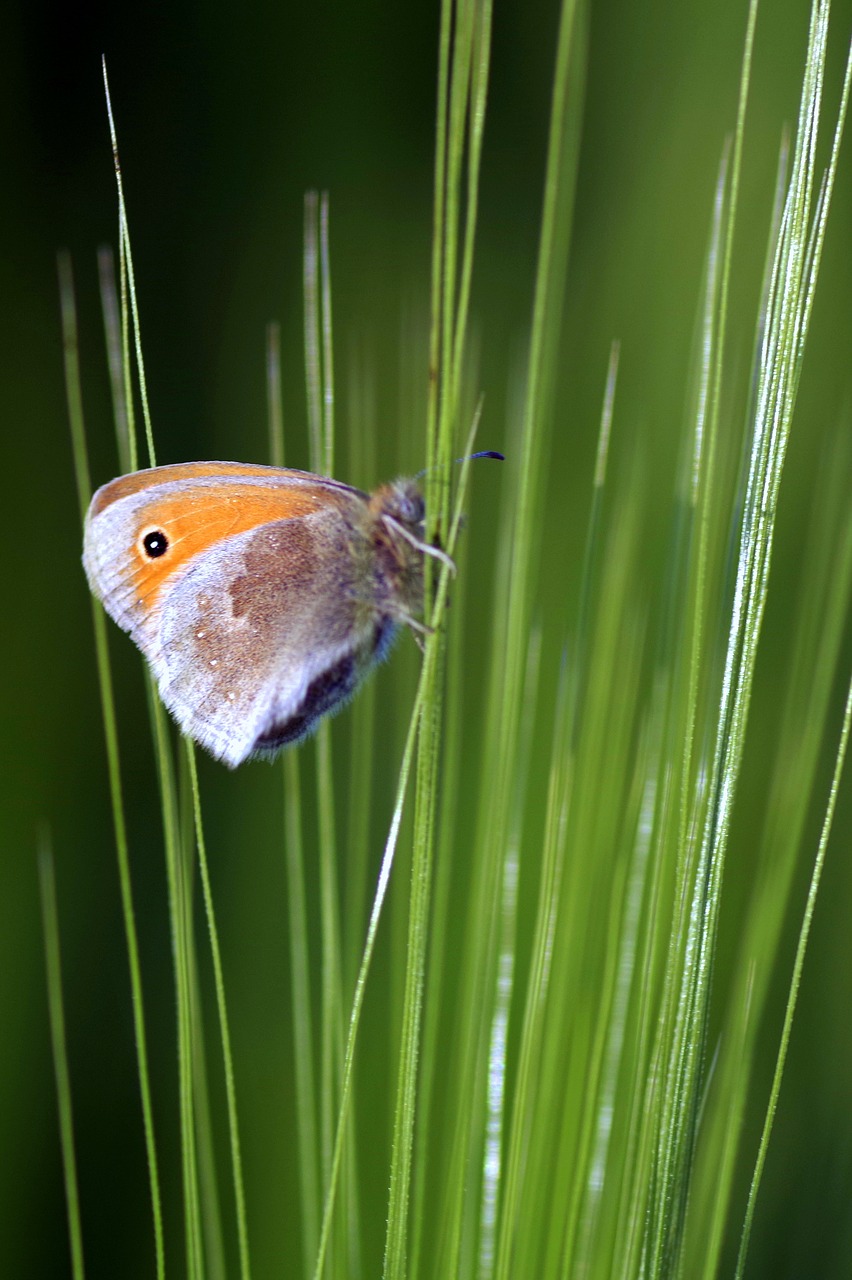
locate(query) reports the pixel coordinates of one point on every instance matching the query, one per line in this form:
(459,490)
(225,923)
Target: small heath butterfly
(260,596)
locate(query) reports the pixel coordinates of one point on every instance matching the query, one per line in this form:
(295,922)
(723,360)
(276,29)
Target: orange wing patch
(195,521)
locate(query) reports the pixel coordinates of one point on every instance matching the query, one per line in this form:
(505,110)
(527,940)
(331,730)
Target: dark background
(226,116)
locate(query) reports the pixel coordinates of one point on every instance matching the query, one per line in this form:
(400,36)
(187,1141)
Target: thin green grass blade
(215,1263)
(457,1245)
(396,1239)
(819,631)
(129,293)
(360,986)
(84,493)
(798,323)
(116,352)
(320,393)
(677,1103)
(666,1096)
(448,1194)
(583,920)
(462,91)
(480,56)
(294,851)
(789,301)
(274,409)
(178,857)
(224,1030)
(215,1260)
(126,360)
(465,17)
(497,1052)
(439,232)
(381,890)
(306,1089)
(362,744)
(571,686)
(435,976)
(795,982)
(180,914)
(53,967)
(626,888)
(312,331)
(326,463)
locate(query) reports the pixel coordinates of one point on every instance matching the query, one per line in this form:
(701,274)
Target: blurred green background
(226,116)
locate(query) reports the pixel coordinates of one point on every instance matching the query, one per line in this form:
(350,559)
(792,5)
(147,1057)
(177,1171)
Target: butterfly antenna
(483,453)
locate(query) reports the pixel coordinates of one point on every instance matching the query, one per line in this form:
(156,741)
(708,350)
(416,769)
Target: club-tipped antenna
(483,453)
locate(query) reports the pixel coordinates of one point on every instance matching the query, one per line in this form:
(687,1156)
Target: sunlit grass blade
(665,1145)
(343,1120)
(533,1005)
(804,936)
(436,973)
(788,307)
(462,91)
(495,1127)
(819,631)
(456,1245)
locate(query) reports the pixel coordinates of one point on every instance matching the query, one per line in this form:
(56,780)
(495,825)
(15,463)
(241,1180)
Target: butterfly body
(260,596)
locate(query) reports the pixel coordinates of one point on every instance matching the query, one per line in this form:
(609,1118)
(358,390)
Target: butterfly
(260,596)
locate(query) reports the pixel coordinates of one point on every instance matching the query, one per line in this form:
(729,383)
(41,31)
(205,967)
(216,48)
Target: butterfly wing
(252,611)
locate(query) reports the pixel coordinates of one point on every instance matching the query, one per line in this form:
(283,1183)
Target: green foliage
(540,877)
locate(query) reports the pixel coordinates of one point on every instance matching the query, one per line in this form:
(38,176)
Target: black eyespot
(155,543)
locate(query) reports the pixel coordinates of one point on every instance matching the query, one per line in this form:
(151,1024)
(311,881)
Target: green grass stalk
(84,493)
(53,966)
